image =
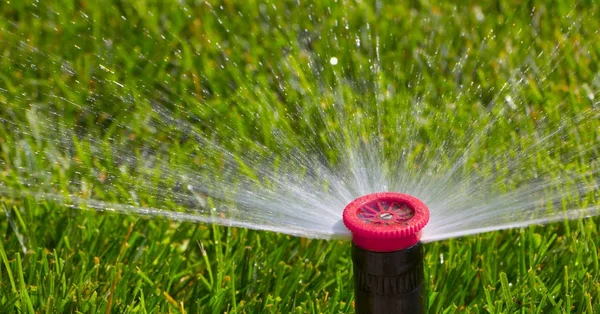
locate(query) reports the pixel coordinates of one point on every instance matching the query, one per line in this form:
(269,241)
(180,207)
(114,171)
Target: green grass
(99,64)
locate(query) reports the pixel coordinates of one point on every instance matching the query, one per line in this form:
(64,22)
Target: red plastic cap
(386,222)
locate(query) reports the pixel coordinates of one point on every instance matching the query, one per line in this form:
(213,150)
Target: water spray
(387,253)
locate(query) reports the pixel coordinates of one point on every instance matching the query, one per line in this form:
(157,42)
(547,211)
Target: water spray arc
(387,253)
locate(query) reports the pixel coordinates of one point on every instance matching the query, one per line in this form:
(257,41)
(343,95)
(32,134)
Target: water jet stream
(315,135)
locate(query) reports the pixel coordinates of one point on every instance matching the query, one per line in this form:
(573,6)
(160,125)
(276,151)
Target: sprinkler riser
(389,282)
(386,252)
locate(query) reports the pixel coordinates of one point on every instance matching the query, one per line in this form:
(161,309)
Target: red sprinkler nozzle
(386,222)
(387,254)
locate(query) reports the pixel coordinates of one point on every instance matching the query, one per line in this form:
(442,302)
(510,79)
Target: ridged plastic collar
(386,222)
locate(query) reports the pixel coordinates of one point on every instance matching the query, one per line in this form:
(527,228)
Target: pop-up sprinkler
(387,254)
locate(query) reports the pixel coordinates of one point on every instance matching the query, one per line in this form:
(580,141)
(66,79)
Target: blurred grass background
(95,69)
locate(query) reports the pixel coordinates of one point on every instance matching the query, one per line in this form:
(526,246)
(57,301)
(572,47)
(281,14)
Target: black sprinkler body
(387,253)
(390,282)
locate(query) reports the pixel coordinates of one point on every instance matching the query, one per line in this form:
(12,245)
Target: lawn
(105,104)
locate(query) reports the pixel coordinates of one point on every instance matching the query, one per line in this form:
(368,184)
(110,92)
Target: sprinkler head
(386,252)
(386,222)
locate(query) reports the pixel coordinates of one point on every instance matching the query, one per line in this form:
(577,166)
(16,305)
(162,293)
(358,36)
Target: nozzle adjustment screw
(386,216)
